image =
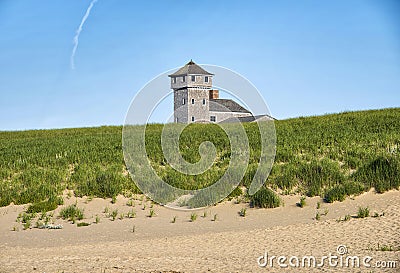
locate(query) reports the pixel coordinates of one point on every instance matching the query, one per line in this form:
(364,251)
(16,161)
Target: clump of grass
(347,217)
(173,219)
(51,204)
(82,224)
(193,217)
(242,212)
(325,212)
(204,214)
(130,203)
(114,214)
(318,205)
(131,214)
(302,202)
(121,216)
(265,198)
(363,212)
(71,213)
(27,225)
(215,218)
(106,210)
(113,199)
(97,220)
(133,229)
(152,213)
(317,216)
(15,228)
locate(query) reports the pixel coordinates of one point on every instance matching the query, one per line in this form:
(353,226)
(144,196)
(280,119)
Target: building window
(192,101)
(183,101)
(192,118)
(193,78)
(213,119)
(206,79)
(204,101)
(176,120)
(174,80)
(183,78)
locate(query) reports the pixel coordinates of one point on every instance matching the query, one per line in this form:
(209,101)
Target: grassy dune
(332,156)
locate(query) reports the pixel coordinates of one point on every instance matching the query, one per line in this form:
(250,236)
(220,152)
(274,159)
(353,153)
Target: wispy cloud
(78,32)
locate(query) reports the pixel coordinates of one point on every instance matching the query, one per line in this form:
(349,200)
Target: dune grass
(332,156)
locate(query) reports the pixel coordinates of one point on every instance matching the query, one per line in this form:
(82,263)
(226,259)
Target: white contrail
(78,32)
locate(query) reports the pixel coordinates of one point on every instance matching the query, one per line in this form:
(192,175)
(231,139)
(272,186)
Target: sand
(230,244)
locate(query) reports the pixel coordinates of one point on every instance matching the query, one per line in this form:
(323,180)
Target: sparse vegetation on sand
(71,213)
(332,156)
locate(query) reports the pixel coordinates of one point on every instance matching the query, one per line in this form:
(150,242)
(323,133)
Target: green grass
(265,198)
(71,213)
(332,156)
(363,212)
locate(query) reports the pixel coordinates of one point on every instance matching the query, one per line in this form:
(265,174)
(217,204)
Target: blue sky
(305,57)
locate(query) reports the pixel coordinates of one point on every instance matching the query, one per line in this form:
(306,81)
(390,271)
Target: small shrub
(326,212)
(265,198)
(337,193)
(27,224)
(318,205)
(215,217)
(347,217)
(97,219)
(204,214)
(317,216)
(363,212)
(173,219)
(242,212)
(113,199)
(235,193)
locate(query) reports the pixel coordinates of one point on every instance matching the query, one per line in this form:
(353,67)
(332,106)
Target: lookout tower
(192,87)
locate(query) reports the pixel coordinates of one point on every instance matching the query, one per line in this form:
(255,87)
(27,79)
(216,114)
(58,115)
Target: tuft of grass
(318,205)
(27,225)
(113,199)
(97,220)
(51,204)
(242,212)
(114,214)
(173,219)
(193,217)
(317,216)
(152,213)
(82,224)
(204,214)
(363,212)
(71,213)
(215,218)
(265,198)
(302,202)
(131,214)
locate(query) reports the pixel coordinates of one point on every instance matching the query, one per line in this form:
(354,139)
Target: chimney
(214,94)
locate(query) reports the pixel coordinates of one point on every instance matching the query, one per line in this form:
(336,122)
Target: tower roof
(190,69)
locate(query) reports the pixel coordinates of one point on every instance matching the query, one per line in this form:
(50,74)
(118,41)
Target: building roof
(220,105)
(190,69)
(248,119)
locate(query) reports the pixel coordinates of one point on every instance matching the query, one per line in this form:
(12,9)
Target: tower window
(174,80)
(192,118)
(183,78)
(213,119)
(183,101)
(206,78)
(193,78)
(192,101)
(204,101)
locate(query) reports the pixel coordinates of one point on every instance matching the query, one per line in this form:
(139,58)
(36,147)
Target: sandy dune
(229,244)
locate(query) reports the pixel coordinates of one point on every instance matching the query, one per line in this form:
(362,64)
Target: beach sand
(230,244)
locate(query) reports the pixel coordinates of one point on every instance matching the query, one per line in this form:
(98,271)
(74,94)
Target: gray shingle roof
(190,69)
(248,119)
(220,105)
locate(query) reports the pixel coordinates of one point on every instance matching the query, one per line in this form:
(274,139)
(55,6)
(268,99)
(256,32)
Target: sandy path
(230,244)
